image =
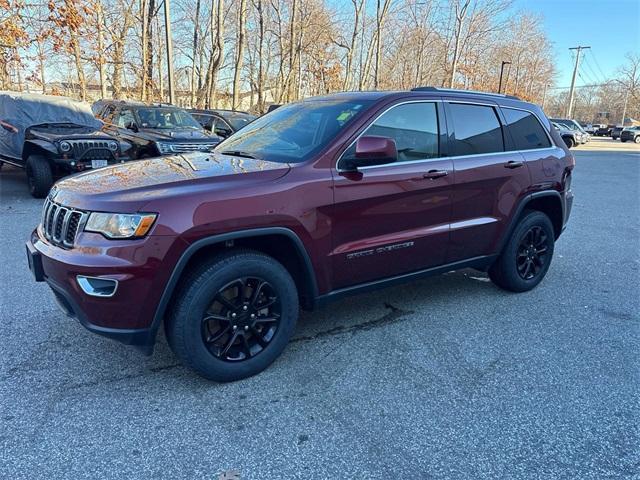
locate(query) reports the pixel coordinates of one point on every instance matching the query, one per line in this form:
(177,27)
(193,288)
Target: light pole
(501,73)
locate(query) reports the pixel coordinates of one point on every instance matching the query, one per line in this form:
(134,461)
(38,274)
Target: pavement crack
(394,315)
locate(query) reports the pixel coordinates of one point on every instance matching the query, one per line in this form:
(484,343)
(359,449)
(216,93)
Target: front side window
(525,129)
(296,132)
(476,129)
(414,128)
(169,118)
(125,118)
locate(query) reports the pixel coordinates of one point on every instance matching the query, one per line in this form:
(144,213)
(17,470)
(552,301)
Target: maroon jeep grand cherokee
(318,199)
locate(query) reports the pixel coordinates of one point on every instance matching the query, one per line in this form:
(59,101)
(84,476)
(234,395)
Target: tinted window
(295,132)
(477,129)
(525,129)
(125,117)
(169,118)
(204,120)
(413,126)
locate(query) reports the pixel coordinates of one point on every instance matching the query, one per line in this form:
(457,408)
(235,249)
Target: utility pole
(167,29)
(501,72)
(573,78)
(624,109)
(544,95)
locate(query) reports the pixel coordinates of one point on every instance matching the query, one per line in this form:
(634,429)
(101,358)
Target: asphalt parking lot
(448,377)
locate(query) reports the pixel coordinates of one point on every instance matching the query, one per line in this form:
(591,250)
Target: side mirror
(131,126)
(373,151)
(222,132)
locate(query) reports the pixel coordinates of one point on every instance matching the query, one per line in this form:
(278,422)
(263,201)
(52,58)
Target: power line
(587,61)
(580,86)
(595,60)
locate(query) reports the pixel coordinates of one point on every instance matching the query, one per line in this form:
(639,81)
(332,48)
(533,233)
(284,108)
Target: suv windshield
(239,121)
(170,118)
(294,133)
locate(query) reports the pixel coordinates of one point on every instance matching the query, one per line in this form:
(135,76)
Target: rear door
(393,219)
(490,180)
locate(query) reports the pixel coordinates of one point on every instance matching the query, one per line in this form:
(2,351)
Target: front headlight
(164,148)
(120,225)
(65,147)
(113,146)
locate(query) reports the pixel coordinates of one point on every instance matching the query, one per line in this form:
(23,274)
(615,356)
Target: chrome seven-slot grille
(60,224)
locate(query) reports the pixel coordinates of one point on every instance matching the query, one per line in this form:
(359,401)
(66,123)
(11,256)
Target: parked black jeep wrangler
(53,136)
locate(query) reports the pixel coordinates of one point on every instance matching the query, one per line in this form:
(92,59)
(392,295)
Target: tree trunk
(195,54)
(260,82)
(460,18)
(239,54)
(102,74)
(217,50)
(77,55)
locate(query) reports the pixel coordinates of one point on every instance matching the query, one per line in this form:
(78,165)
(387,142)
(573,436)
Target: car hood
(164,135)
(57,134)
(129,186)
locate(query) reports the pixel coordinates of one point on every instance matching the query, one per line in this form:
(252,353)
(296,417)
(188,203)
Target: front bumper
(128,315)
(73,165)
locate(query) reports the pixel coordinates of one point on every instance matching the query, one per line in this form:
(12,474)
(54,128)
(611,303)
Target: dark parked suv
(314,201)
(223,123)
(155,130)
(52,136)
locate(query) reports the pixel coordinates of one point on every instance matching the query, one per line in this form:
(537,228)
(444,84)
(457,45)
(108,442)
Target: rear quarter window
(525,129)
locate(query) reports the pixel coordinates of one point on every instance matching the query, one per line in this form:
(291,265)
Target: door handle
(433,174)
(513,164)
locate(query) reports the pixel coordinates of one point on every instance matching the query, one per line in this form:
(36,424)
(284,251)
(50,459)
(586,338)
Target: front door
(394,218)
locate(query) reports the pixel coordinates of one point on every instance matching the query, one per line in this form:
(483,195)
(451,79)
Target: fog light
(97,287)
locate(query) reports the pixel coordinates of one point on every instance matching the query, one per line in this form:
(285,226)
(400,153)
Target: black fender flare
(38,144)
(222,238)
(521,207)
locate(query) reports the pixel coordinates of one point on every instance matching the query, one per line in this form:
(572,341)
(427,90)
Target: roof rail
(455,90)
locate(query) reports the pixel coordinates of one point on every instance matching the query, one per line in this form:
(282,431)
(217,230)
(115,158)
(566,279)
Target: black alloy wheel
(242,319)
(532,253)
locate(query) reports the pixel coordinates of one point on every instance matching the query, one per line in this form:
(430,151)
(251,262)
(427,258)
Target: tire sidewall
(201,295)
(509,255)
(39,176)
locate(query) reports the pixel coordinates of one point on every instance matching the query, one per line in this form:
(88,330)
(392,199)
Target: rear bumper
(127,316)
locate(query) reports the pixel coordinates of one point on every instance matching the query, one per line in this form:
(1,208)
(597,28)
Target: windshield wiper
(239,153)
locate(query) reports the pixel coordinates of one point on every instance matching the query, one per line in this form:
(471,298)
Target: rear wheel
(637,139)
(234,316)
(527,256)
(39,176)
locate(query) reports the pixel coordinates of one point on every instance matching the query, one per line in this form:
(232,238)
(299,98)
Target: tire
(569,142)
(536,229)
(39,176)
(637,139)
(225,344)
(623,141)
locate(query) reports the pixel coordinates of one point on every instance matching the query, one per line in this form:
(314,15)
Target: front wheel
(39,176)
(637,139)
(569,142)
(623,140)
(233,316)
(527,256)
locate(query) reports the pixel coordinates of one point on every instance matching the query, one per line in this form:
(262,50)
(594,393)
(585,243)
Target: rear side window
(525,129)
(477,129)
